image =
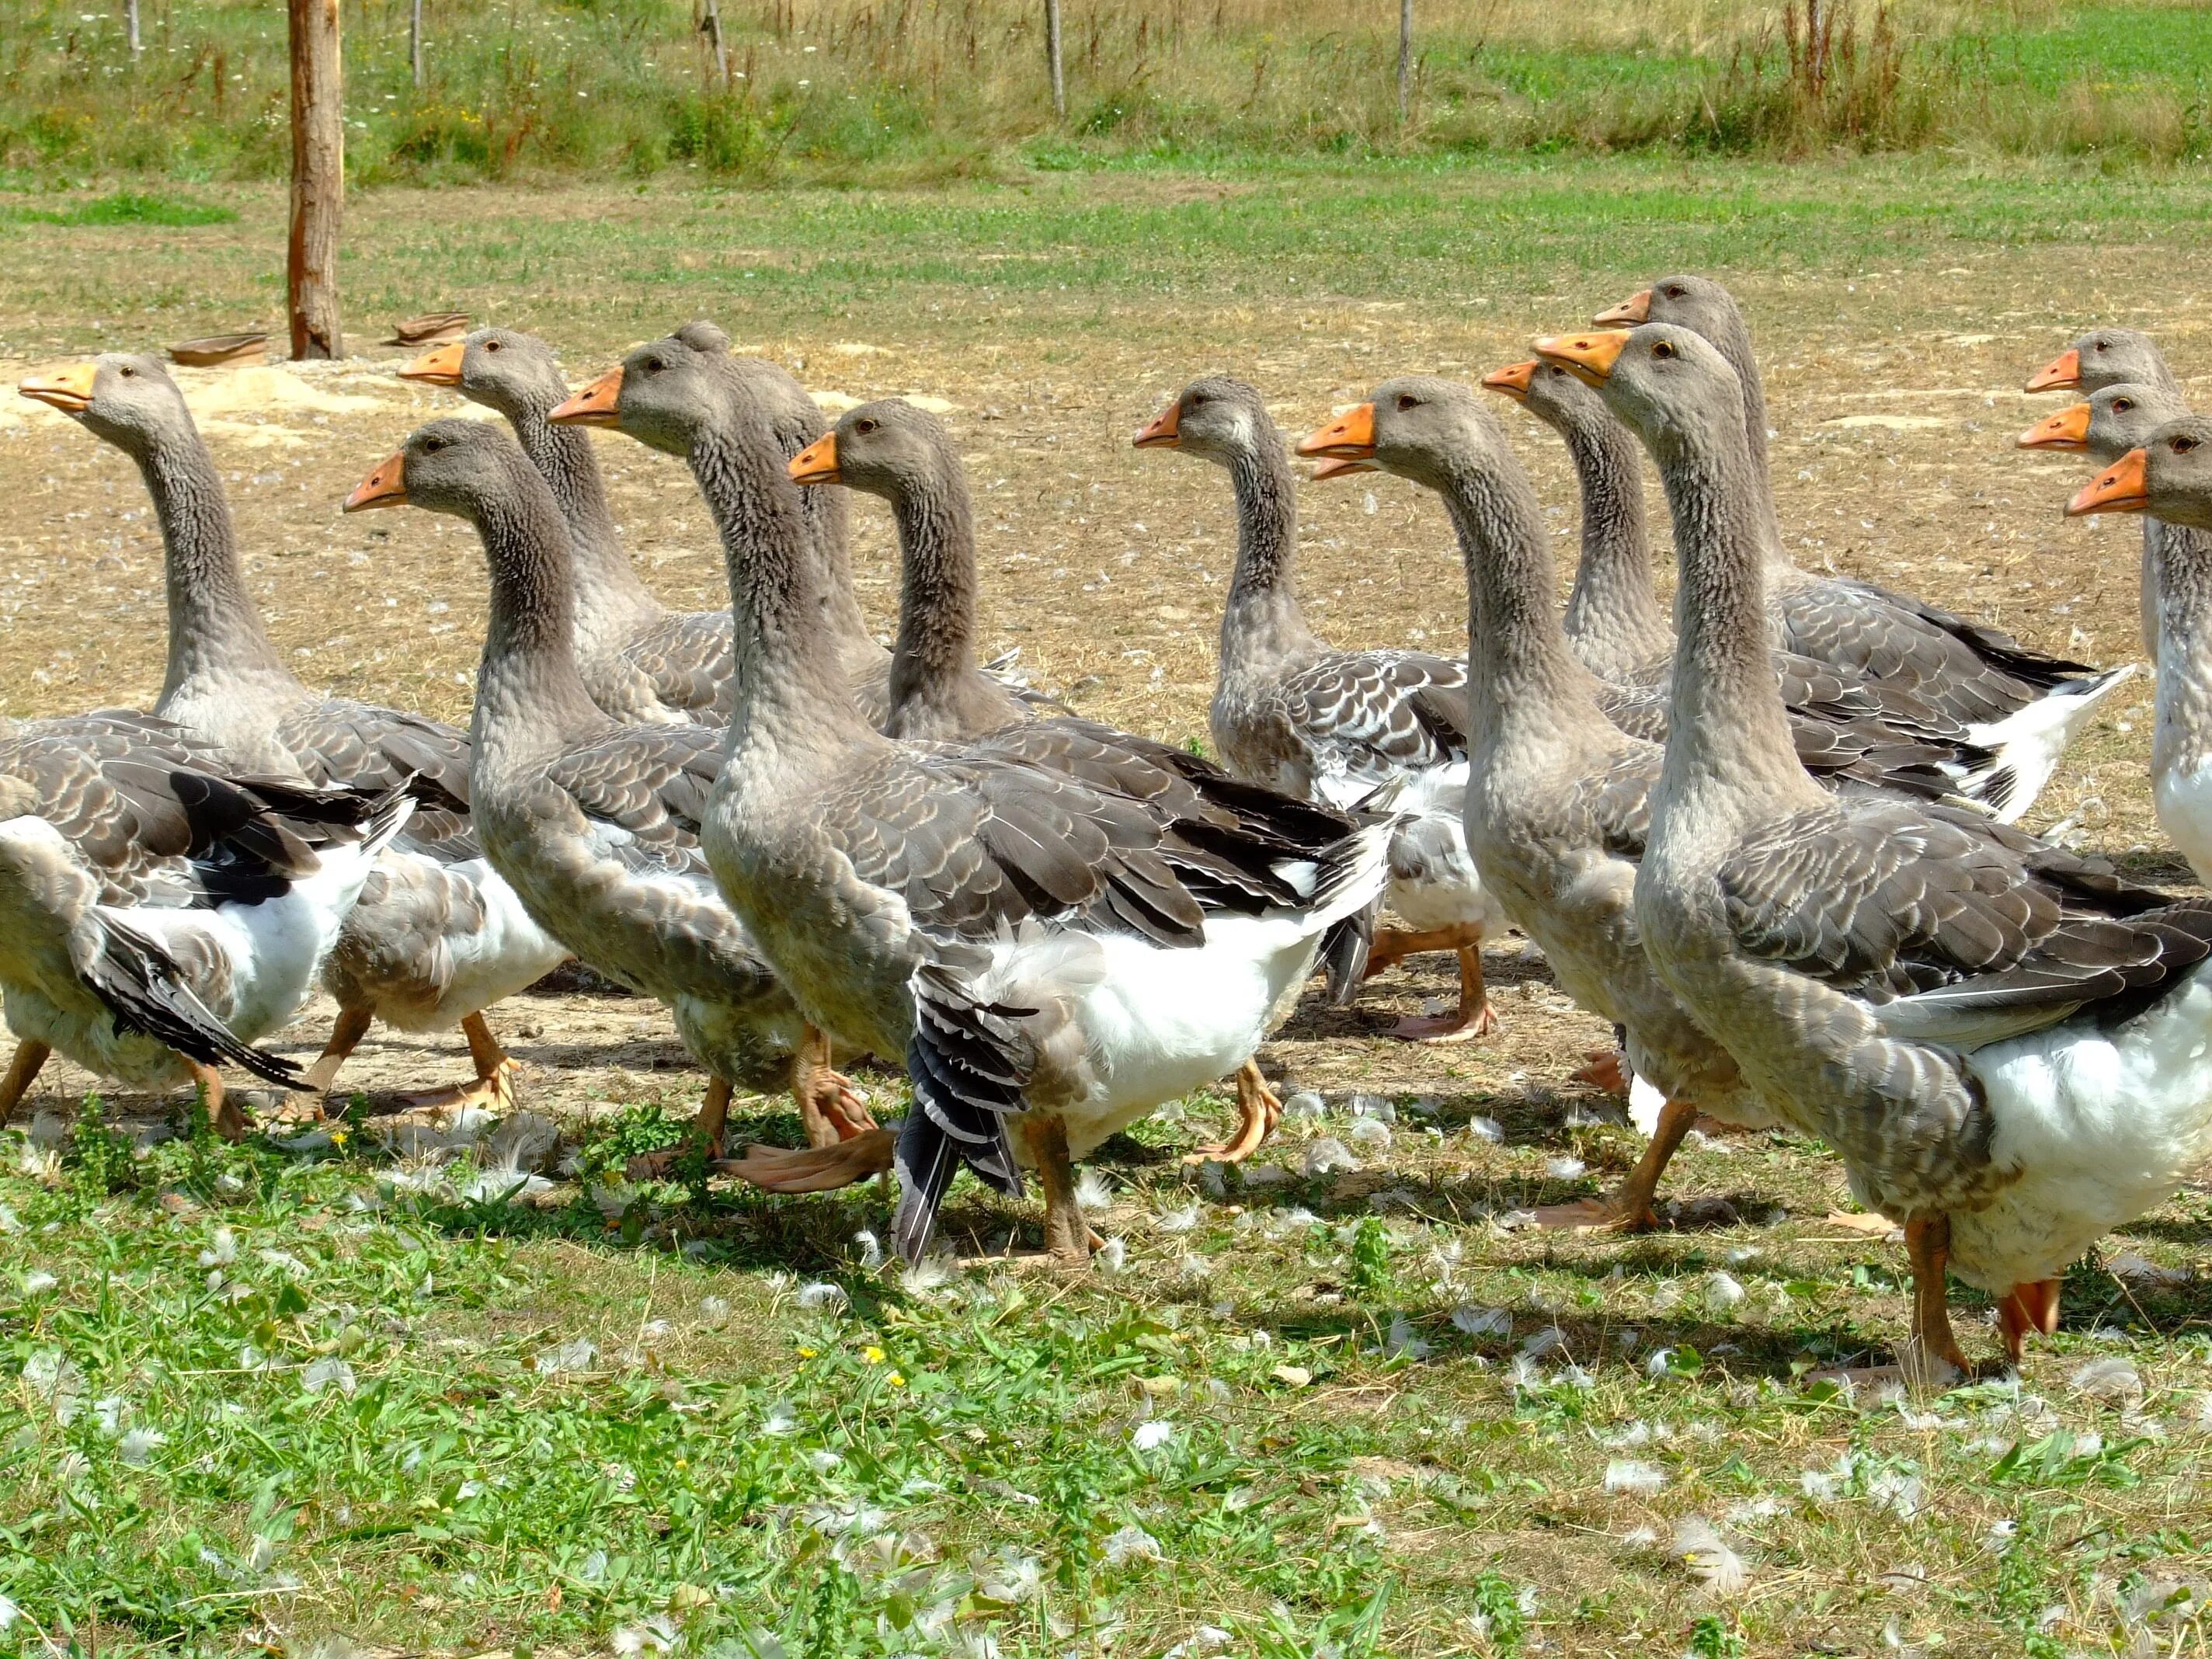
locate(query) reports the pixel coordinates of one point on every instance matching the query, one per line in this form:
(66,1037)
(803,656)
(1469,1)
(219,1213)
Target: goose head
(1666,382)
(1551,393)
(889,448)
(451,465)
(2170,477)
(665,394)
(1419,426)
(2103,357)
(502,368)
(127,399)
(1698,303)
(2110,422)
(1214,417)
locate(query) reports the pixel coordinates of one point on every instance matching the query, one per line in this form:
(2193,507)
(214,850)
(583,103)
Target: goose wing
(645,789)
(337,740)
(687,656)
(1370,716)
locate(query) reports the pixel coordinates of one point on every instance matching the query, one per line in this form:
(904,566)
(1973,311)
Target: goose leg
(2026,1308)
(345,1036)
(22,1072)
(817,1170)
(705,1129)
(1473,1018)
(1606,1069)
(830,1106)
(222,1111)
(1928,1246)
(1066,1235)
(493,1085)
(1262,1111)
(1627,1208)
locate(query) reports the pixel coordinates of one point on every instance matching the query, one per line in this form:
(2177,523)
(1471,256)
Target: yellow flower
(873,1354)
(806,1353)
(898,1382)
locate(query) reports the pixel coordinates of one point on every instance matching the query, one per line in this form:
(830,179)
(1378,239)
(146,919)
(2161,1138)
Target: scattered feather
(1093,1191)
(2147,1275)
(37,1282)
(2114,1380)
(1486,1128)
(1305,1103)
(821,1294)
(1131,1543)
(575,1356)
(1377,1107)
(1709,1558)
(137,1447)
(1624,1474)
(1325,1157)
(780,1418)
(1483,1321)
(1011,1576)
(1149,1436)
(1180,1220)
(1722,1292)
(1404,1343)
(1565,1169)
(1112,1256)
(1368,1132)
(328,1372)
(932,1273)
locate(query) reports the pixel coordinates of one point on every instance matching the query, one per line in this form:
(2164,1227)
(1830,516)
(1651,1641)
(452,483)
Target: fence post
(1053,59)
(415,42)
(708,20)
(318,180)
(1405,60)
(130,21)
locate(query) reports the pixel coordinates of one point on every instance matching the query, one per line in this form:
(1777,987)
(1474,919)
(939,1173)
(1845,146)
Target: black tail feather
(145,992)
(970,1062)
(1344,953)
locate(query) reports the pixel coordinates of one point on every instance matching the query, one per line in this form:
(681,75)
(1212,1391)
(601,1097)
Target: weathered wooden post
(1053,59)
(1405,60)
(318,180)
(415,42)
(131,21)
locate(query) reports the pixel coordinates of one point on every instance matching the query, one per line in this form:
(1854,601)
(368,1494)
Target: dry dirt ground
(1894,393)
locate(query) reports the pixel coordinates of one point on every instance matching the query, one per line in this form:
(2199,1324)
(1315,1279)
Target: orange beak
(1164,430)
(1332,467)
(440,365)
(1349,437)
(1513,379)
(385,487)
(1588,357)
(2068,429)
(818,462)
(1631,313)
(594,405)
(68,390)
(2125,488)
(2062,374)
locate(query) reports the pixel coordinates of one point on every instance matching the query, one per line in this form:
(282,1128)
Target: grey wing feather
(337,740)
(651,782)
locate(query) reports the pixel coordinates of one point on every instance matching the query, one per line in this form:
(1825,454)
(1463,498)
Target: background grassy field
(338,1398)
(884,90)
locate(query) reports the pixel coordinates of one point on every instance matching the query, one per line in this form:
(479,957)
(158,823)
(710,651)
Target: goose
(211,946)
(1999,1038)
(2105,358)
(639,661)
(2114,420)
(1336,726)
(904,454)
(1967,670)
(1053,961)
(437,937)
(1614,623)
(2126,427)
(595,823)
(1558,800)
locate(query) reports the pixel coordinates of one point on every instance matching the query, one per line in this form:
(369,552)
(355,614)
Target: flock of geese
(1769,840)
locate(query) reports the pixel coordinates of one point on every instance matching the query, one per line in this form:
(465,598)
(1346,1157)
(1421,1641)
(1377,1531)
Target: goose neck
(214,627)
(529,693)
(792,690)
(935,655)
(1262,625)
(825,515)
(1521,677)
(607,591)
(2183,742)
(1734,342)
(1612,614)
(1728,732)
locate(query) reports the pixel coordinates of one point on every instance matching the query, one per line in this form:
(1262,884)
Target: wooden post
(415,42)
(1053,59)
(130,21)
(1405,60)
(710,27)
(318,180)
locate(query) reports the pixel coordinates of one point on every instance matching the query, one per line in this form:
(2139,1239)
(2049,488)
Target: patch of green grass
(125,207)
(296,1396)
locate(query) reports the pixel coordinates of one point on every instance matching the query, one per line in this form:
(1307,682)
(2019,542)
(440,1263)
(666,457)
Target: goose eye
(2122,405)
(864,426)
(491,345)
(653,365)
(1407,400)
(1664,348)
(1676,293)
(129,372)
(2182,445)
(433,446)
(2099,346)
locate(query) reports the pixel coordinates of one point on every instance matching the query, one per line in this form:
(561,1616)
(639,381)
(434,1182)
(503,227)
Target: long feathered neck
(528,688)
(2183,742)
(793,692)
(606,583)
(1262,625)
(214,627)
(936,690)
(825,513)
(1521,676)
(1733,340)
(1728,731)
(1612,614)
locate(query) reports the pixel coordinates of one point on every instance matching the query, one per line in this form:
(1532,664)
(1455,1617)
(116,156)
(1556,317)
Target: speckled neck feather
(1262,626)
